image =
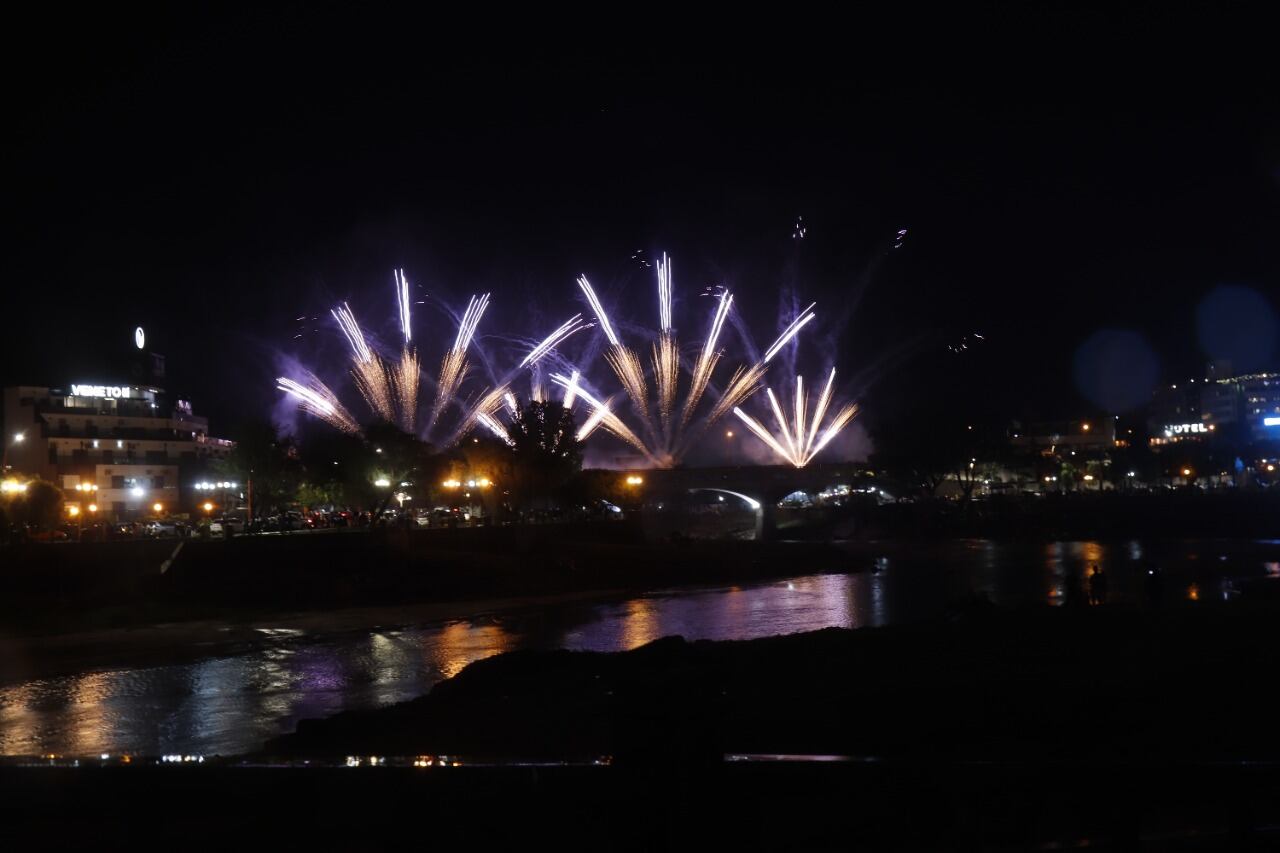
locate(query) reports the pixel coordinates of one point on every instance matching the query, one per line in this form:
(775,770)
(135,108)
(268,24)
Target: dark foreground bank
(1193,683)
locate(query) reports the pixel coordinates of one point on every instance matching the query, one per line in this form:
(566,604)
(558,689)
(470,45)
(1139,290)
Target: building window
(108,456)
(156,456)
(117,482)
(157,482)
(117,507)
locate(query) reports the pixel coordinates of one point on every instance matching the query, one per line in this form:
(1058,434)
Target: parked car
(158,529)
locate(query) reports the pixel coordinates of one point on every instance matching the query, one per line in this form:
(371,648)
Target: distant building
(122,448)
(1218,404)
(1064,436)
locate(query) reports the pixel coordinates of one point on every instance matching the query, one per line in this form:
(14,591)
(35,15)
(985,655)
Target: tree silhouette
(545,449)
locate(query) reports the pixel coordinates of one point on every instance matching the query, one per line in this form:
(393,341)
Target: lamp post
(18,438)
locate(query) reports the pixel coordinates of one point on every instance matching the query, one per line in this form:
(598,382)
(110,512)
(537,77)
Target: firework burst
(669,426)
(804,437)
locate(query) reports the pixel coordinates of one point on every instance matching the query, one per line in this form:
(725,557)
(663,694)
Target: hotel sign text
(113,392)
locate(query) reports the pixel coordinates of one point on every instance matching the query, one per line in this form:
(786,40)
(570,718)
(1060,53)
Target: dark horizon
(226,177)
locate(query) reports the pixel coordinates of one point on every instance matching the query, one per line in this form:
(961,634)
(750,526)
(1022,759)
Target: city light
(208,507)
(93,507)
(137,491)
(19,437)
(1186,472)
(451,484)
(382,482)
(1084,427)
(1271,467)
(12,486)
(73,510)
(634,480)
(1088,478)
(158,507)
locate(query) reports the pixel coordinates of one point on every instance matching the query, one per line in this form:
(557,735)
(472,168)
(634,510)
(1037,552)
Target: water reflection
(228,705)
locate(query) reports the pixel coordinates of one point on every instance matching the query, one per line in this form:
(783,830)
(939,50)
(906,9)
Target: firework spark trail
(402,297)
(608,419)
(666,376)
(707,359)
(559,336)
(630,372)
(406,378)
(491,423)
(470,319)
(782,424)
(800,448)
(839,422)
(376,384)
(599,309)
(821,410)
(571,391)
(763,434)
(664,293)
(800,407)
(790,332)
(589,426)
(744,382)
(315,398)
(347,322)
(513,408)
(453,367)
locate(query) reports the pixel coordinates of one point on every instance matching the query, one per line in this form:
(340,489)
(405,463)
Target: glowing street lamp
(208,507)
(158,507)
(93,507)
(1186,472)
(73,510)
(382,482)
(635,480)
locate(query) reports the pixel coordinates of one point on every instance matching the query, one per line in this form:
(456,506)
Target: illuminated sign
(109,392)
(1184,429)
(139,338)
(1271,421)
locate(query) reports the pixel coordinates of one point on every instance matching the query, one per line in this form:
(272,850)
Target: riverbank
(1190,683)
(86,587)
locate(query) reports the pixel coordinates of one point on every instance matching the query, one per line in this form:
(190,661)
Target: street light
(208,507)
(93,507)
(73,510)
(18,438)
(158,507)
(635,480)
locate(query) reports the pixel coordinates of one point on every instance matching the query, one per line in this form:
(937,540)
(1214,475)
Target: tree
(266,463)
(398,457)
(545,449)
(39,505)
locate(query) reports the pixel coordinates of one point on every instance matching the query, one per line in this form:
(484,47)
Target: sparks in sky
(801,439)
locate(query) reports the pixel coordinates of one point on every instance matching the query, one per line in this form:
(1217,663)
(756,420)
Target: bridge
(758,487)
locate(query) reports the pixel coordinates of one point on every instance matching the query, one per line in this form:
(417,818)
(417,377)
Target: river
(230,705)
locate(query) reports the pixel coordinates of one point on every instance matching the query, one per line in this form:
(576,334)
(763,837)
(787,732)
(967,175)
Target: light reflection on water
(229,705)
(232,704)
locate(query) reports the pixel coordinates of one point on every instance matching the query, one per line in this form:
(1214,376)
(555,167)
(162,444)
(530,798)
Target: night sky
(213,178)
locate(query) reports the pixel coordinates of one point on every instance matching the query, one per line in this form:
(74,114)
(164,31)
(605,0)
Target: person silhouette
(1097,586)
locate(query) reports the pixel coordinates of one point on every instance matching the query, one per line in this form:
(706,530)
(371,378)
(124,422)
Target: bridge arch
(756,506)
